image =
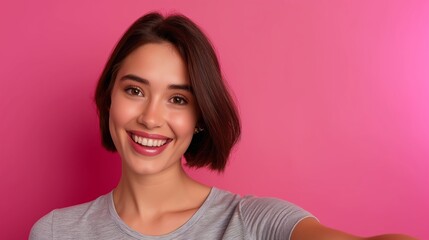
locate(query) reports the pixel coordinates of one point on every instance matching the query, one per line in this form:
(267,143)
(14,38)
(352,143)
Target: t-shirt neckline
(175,233)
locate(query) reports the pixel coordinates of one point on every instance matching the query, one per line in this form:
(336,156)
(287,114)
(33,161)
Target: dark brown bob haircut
(219,119)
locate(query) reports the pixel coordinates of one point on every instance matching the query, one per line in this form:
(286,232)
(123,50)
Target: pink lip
(148,135)
(148,151)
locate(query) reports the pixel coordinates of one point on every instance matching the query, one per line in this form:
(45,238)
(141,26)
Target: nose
(151,116)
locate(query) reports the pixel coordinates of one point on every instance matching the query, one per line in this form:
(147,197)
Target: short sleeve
(270,218)
(42,229)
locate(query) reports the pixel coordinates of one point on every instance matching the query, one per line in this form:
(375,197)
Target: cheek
(121,111)
(184,123)
(115,121)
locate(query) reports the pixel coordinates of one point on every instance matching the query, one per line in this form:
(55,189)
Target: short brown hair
(219,119)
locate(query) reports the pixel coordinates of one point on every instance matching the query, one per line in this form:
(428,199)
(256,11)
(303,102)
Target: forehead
(159,62)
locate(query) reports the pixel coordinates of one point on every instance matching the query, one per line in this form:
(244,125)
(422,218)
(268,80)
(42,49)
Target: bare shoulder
(310,228)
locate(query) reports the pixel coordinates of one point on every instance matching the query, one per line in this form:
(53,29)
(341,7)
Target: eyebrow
(135,78)
(146,82)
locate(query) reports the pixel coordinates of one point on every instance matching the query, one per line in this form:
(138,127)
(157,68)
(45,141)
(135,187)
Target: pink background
(333,96)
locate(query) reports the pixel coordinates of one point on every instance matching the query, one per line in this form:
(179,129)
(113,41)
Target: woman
(161,96)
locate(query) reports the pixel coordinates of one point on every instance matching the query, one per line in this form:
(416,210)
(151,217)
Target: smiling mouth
(148,142)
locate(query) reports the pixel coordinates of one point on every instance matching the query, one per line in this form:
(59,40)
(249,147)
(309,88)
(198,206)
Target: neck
(153,194)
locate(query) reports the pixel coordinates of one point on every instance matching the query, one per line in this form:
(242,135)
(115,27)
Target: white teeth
(148,142)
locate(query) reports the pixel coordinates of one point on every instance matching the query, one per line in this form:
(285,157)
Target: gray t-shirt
(223,215)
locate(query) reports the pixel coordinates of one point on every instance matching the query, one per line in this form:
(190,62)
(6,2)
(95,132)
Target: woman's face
(153,111)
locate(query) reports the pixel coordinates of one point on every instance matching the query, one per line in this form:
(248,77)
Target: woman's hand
(310,229)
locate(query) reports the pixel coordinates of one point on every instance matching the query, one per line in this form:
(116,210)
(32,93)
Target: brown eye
(134,91)
(178,100)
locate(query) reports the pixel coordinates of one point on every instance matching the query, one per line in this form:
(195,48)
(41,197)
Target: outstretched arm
(310,228)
